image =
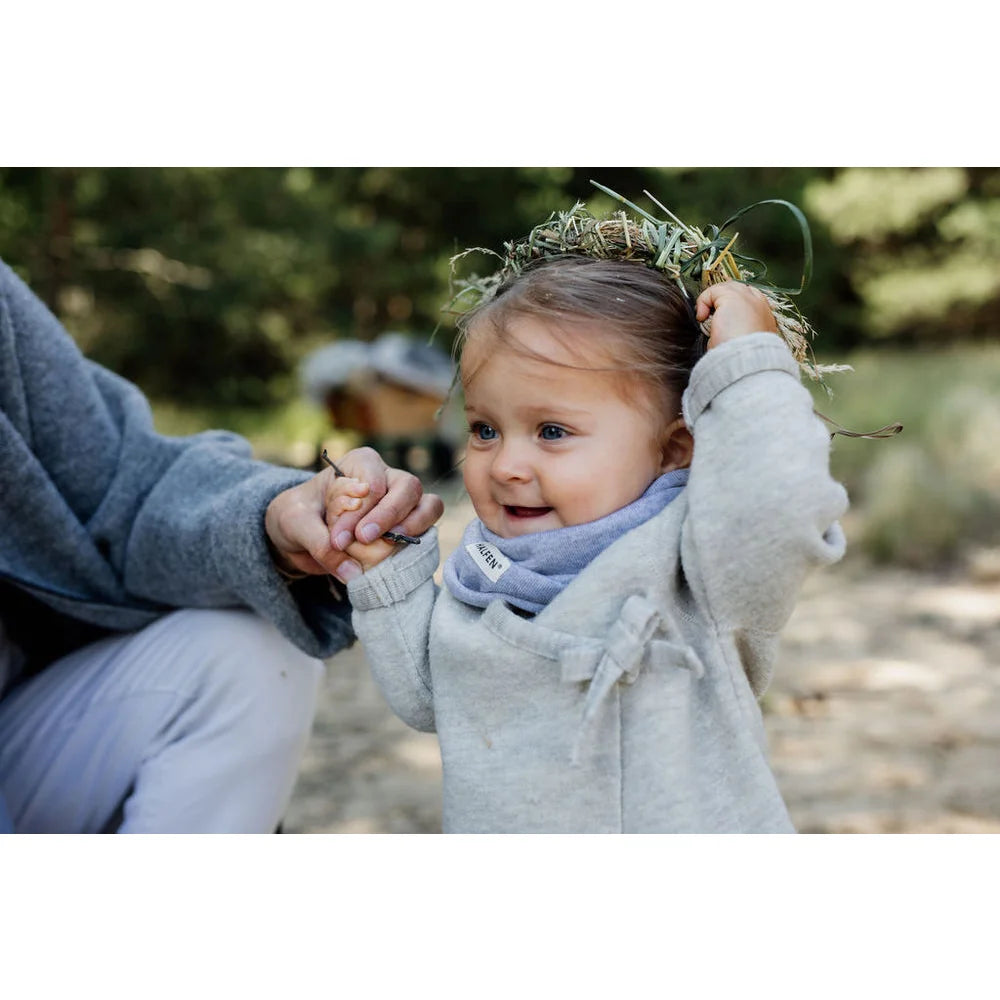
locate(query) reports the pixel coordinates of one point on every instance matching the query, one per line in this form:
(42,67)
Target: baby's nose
(511,462)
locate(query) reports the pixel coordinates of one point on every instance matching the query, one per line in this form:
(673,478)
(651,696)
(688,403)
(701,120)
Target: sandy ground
(884,716)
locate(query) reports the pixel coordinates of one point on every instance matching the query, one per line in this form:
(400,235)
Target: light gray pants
(196,724)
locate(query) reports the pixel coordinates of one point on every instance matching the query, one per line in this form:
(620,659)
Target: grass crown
(692,257)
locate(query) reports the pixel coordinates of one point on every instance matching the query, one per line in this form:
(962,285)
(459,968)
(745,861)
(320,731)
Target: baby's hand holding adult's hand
(735,309)
(396,502)
(310,525)
(295,523)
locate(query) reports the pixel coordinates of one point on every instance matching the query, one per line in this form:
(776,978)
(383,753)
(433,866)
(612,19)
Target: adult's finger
(401,499)
(296,527)
(427,512)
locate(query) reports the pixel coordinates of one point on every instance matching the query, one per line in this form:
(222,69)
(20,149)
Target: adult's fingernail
(348,570)
(369,532)
(343,540)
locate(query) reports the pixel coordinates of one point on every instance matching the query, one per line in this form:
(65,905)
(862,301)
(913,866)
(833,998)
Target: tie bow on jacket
(620,655)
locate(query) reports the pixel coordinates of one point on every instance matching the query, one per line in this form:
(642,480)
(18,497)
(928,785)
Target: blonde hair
(649,325)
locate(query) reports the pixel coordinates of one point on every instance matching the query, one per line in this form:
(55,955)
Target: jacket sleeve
(393,604)
(112,513)
(762,506)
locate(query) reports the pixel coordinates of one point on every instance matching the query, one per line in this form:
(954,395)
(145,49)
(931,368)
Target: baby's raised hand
(734,310)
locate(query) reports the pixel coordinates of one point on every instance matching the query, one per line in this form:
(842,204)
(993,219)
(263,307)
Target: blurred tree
(208,285)
(923,248)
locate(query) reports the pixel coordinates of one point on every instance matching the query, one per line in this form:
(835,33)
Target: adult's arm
(103,516)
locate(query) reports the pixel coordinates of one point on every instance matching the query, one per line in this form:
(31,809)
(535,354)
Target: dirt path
(884,716)
(885,712)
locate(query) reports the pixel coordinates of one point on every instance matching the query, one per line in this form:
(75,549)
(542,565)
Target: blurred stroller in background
(387,394)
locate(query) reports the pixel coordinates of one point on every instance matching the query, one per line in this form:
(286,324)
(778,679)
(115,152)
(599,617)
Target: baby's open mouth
(527,511)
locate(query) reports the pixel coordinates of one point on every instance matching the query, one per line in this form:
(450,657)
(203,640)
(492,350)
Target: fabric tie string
(620,656)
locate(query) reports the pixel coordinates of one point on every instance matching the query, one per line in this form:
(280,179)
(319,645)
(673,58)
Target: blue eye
(552,432)
(483,431)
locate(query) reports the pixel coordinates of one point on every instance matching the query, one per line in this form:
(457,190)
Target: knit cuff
(731,361)
(393,579)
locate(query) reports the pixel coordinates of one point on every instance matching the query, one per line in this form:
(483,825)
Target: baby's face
(552,446)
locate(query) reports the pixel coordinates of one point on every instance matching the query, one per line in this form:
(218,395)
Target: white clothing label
(489,559)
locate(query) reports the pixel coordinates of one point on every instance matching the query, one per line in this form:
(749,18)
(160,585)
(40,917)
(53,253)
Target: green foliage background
(207,286)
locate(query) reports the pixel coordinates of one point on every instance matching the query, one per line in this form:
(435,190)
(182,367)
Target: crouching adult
(165,603)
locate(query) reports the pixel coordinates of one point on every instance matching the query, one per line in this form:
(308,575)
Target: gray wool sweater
(629,704)
(106,525)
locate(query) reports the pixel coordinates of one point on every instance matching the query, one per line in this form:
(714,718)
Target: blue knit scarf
(529,570)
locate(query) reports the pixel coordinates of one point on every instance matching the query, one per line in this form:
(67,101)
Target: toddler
(646,512)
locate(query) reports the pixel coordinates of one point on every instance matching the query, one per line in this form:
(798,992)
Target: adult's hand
(309,529)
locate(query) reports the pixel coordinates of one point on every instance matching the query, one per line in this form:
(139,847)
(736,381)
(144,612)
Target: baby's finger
(346,502)
(709,301)
(350,496)
(367,465)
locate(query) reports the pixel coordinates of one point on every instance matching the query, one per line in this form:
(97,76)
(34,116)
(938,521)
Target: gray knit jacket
(106,525)
(629,704)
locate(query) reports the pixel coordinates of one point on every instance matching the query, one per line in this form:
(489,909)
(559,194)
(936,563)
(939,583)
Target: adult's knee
(228,757)
(244,671)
